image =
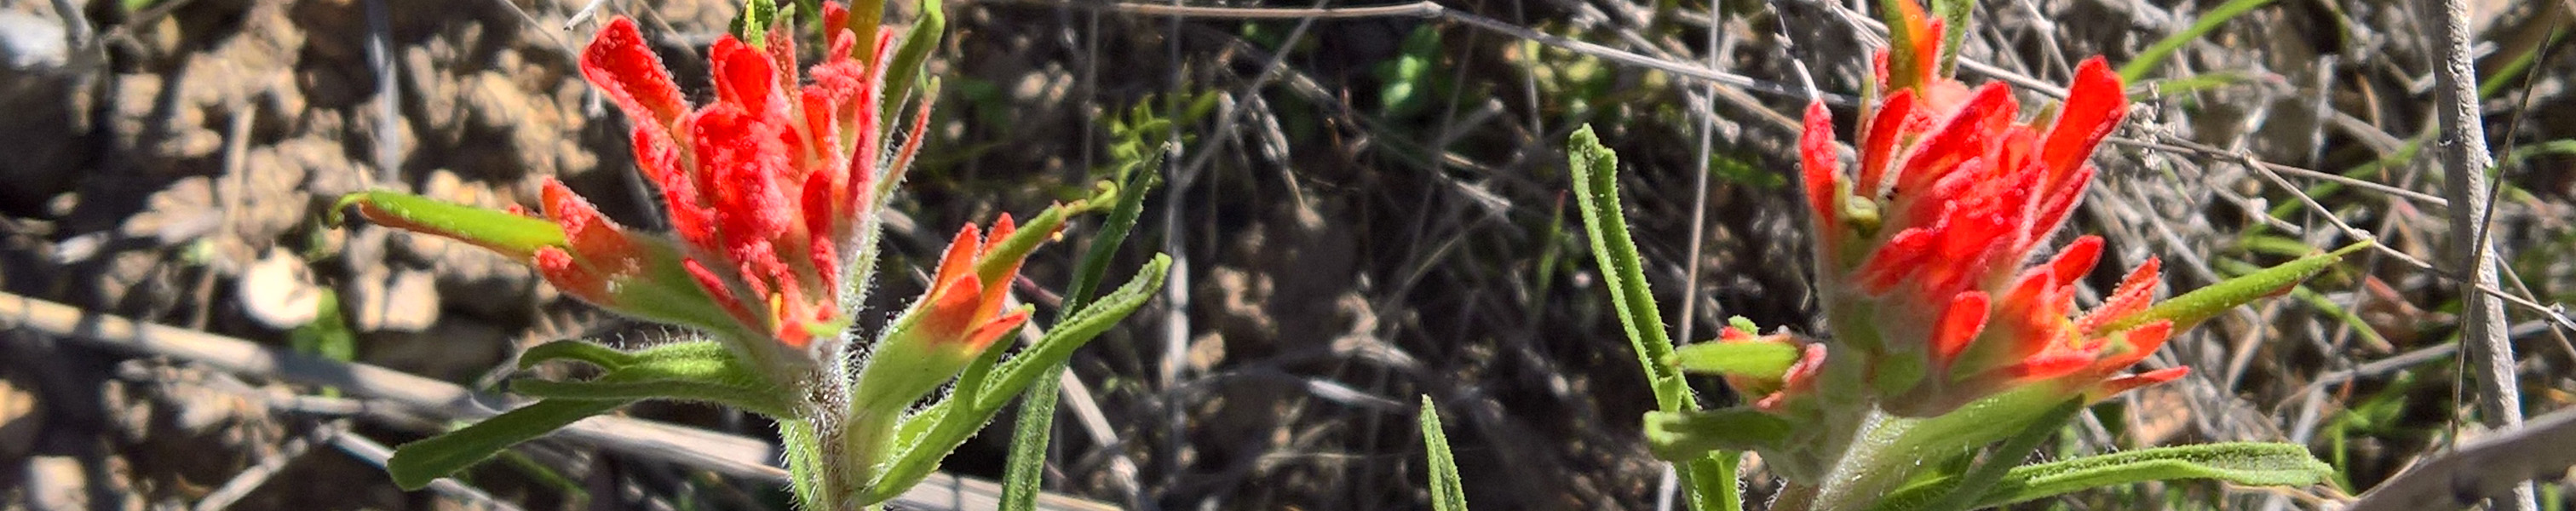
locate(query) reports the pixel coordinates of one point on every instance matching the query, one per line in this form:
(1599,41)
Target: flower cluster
(772,191)
(1920,246)
(768,185)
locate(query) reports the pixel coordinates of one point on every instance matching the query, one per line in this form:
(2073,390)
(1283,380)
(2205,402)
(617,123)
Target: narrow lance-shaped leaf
(723,380)
(1954,30)
(2006,456)
(1758,359)
(515,236)
(905,69)
(1685,436)
(568,349)
(2201,304)
(1024,469)
(1448,491)
(1596,188)
(2243,463)
(415,464)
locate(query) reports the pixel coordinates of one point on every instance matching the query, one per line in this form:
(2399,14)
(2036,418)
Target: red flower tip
(962,305)
(984,336)
(2115,386)
(626,69)
(2094,105)
(1958,325)
(567,275)
(1798,382)
(1816,156)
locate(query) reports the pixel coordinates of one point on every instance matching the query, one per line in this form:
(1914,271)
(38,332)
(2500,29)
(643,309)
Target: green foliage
(718,377)
(1595,169)
(1596,188)
(1683,436)
(1410,83)
(2245,463)
(1736,170)
(703,371)
(2200,304)
(1448,491)
(1024,469)
(751,25)
(905,70)
(417,463)
(1136,138)
(512,235)
(2155,54)
(1756,359)
(927,437)
(1571,84)
(1954,15)
(328,335)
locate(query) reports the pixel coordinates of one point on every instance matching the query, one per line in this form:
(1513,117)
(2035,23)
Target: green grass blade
(2157,53)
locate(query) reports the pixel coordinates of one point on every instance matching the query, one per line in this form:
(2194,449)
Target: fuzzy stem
(1877,460)
(865,438)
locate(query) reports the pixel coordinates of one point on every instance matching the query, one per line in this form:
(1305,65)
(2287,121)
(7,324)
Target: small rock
(278,291)
(406,301)
(56,483)
(21,417)
(29,43)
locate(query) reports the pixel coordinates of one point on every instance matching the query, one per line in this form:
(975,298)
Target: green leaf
(1596,189)
(1954,30)
(2243,463)
(1682,436)
(1901,60)
(1448,491)
(2155,54)
(571,349)
(515,236)
(2201,304)
(752,24)
(1073,332)
(415,464)
(1755,359)
(1997,464)
(702,371)
(1023,471)
(908,55)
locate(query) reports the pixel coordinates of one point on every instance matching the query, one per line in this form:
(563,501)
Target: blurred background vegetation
(1363,209)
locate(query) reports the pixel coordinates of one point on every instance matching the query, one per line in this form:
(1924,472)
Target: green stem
(1991,470)
(1875,462)
(866,437)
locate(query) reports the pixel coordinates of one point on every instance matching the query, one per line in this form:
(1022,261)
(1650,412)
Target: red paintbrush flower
(767,186)
(1920,247)
(771,187)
